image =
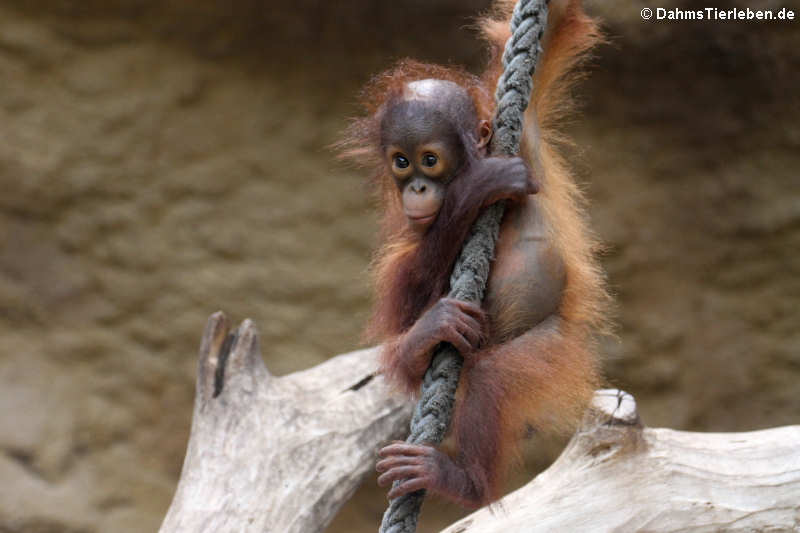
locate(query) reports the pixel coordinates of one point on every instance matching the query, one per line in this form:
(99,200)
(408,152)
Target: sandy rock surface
(160,161)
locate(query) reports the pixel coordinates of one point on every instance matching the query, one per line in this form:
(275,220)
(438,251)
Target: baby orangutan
(529,357)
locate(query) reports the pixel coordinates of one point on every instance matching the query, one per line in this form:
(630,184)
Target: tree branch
(283,454)
(616,475)
(278,454)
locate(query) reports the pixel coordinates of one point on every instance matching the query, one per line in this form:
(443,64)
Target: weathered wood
(616,475)
(278,454)
(283,454)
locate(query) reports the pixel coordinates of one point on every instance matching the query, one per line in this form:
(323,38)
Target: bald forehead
(410,122)
(431,88)
(446,96)
(426,109)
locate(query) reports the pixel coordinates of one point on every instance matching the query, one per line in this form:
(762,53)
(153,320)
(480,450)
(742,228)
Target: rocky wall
(162,160)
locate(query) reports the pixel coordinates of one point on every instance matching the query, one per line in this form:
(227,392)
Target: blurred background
(161,160)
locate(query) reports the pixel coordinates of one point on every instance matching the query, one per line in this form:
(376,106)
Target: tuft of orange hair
(570,36)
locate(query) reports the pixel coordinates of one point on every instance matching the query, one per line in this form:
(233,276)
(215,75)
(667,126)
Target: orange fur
(543,379)
(545,376)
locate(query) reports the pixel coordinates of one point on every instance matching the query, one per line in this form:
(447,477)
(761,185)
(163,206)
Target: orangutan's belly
(527,278)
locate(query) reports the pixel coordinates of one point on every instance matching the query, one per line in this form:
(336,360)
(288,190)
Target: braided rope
(434,410)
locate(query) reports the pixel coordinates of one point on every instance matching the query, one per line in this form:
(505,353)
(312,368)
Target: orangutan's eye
(400,161)
(429,160)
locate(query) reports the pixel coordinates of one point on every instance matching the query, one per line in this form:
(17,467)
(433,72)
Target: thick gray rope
(432,414)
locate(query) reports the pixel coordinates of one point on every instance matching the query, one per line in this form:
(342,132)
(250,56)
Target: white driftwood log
(278,454)
(616,475)
(270,454)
